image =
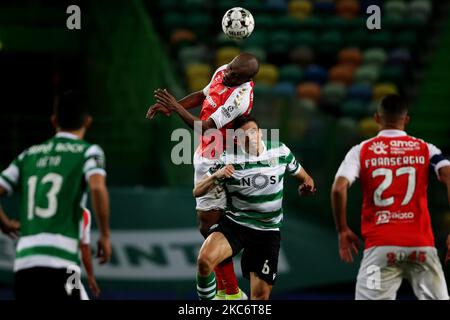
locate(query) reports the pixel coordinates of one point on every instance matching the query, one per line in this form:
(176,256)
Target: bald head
(241,69)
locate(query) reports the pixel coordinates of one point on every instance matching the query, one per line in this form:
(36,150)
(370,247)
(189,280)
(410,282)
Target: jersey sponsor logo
(258,181)
(402,146)
(378,148)
(385,216)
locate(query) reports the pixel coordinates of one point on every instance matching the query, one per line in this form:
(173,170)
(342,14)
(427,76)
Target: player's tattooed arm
(348,241)
(190,101)
(167,100)
(209,181)
(8,226)
(307,186)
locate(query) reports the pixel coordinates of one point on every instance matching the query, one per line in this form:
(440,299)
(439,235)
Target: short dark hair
(70,110)
(242,120)
(393,106)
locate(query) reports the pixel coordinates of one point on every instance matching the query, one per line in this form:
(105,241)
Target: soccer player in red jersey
(228,96)
(399,243)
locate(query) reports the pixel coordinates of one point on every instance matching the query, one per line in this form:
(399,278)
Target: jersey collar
(391,133)
(66,135)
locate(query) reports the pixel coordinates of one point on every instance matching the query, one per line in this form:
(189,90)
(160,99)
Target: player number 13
(56,181)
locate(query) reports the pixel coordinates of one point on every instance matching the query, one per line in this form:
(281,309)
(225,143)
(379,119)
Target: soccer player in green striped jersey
(253,180)
(52,179)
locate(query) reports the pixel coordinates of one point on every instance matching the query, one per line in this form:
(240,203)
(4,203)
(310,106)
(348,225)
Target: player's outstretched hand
(225,172)
(447,257)
(11,228)
(348,244)
(164,98)
(307,188)
(103,249)
(154,109)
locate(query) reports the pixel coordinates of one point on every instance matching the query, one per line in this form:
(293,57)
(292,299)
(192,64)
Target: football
(238,23)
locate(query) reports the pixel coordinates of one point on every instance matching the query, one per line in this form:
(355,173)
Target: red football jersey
(223,104)
(394,172)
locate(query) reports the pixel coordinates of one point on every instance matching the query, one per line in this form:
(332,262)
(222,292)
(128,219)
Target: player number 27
(56,181)
(388,178)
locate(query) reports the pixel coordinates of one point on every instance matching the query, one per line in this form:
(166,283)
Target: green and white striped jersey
(255,192)
(52,180)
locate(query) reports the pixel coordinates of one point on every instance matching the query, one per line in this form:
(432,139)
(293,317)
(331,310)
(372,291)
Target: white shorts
(215,198)
(383,269)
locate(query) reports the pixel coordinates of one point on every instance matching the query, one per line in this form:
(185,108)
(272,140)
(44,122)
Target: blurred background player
(86,257)
(52,178)
(254,211)
(396,227)
(228,95)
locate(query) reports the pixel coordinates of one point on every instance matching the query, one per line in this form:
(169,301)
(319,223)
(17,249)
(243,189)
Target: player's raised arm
(167,100)
(190,101)
(211,180)
(100,204)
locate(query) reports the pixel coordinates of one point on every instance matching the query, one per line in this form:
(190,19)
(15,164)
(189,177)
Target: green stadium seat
(280,39)
(406,39)
(287,23)
(420,9)
(395,8)
(192,54)
(198,22)
(330,42)
(222,40)
(375,56)
(355,108)
(333,93)
(265,22)
(257,39)
(262,90)
(380,39)
(304,39)
(337,23)
(291,73)
(392,74)
(311,23)
(356,38)
(173,21)
(168,6)
(366,74)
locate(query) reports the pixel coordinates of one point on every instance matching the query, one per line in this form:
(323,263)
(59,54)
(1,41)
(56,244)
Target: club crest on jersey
(378,148)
